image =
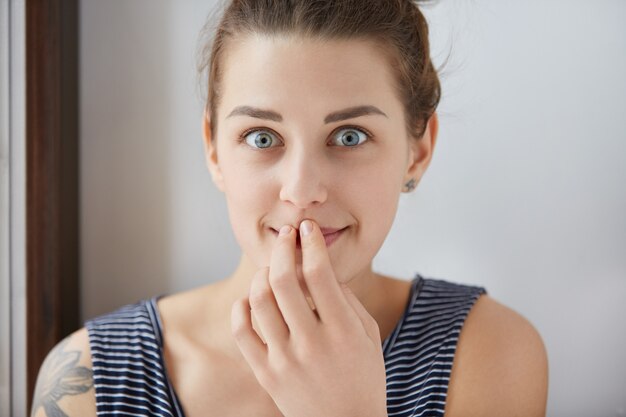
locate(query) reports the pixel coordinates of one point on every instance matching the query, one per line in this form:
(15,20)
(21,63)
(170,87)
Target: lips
(328,230)
(330,235)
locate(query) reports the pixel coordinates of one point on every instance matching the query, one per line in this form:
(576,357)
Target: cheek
(245,185)
(247,205)
(372,199)
(379,209)
(374,191)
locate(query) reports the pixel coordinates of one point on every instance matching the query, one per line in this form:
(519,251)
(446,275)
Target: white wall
(525,195)
(12,208)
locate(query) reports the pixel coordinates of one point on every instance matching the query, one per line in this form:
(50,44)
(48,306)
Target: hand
(327,362)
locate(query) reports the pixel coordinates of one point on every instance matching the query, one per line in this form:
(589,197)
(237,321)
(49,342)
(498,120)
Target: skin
(500,366)
(65,382)
(306,173)
(307,355)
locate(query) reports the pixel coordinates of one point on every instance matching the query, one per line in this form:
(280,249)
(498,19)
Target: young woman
(319,115)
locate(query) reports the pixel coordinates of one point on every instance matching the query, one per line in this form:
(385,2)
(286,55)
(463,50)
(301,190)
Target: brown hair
(396,26)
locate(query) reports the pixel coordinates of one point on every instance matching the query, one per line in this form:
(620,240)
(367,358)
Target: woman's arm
(65,382)
(500,367)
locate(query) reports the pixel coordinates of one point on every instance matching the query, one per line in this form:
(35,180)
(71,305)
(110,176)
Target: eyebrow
(349,113)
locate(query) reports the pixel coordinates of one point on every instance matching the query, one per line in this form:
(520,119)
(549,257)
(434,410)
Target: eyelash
(242,137)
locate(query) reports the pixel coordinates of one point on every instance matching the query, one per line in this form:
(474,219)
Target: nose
(302,181)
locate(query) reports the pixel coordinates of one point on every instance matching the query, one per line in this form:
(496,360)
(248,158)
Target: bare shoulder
(500,366)
(65,381)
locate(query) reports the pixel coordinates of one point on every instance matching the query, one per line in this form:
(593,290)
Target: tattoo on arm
(60,376)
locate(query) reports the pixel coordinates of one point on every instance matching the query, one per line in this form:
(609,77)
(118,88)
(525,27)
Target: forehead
(301,73)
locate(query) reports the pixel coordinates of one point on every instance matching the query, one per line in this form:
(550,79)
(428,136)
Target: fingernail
(285,230)
(306,227)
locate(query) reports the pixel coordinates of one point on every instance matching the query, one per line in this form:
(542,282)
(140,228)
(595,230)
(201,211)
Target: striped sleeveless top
(130,376)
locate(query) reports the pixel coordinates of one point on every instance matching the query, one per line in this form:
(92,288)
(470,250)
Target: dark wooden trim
(52,250)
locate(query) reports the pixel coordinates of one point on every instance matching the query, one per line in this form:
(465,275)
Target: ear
(210,152)
(421,151)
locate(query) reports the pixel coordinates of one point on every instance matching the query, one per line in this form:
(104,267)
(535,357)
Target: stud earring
(410,185)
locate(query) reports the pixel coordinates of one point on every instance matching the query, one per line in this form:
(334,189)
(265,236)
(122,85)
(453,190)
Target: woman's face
(311,130)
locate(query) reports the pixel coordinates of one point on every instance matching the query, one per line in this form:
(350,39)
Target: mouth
(329,237)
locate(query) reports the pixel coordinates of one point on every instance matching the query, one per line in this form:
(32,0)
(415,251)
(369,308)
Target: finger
(265,310)
(320,277)
(369,323)
(285,285)
(249,343)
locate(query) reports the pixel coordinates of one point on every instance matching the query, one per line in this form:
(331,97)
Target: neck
(380,295)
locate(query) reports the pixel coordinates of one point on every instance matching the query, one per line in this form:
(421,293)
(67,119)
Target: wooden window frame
(52,173)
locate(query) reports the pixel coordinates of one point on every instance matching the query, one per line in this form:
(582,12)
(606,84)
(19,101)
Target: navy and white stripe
(130,378)
(128,367)
(420,350)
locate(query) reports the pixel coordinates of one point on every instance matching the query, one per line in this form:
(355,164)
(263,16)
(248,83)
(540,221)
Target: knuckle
(374,323)
(237,320)
(307,243)
(374,328)
(347,331)
(239,331)
(307,350)
(260,298)
(281,280)
(266,378)
(261,273)
(312,247)
(306,354)
(314,273)
(282,364)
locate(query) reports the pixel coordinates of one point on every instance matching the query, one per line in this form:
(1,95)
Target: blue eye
(259,139)
(351,137)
